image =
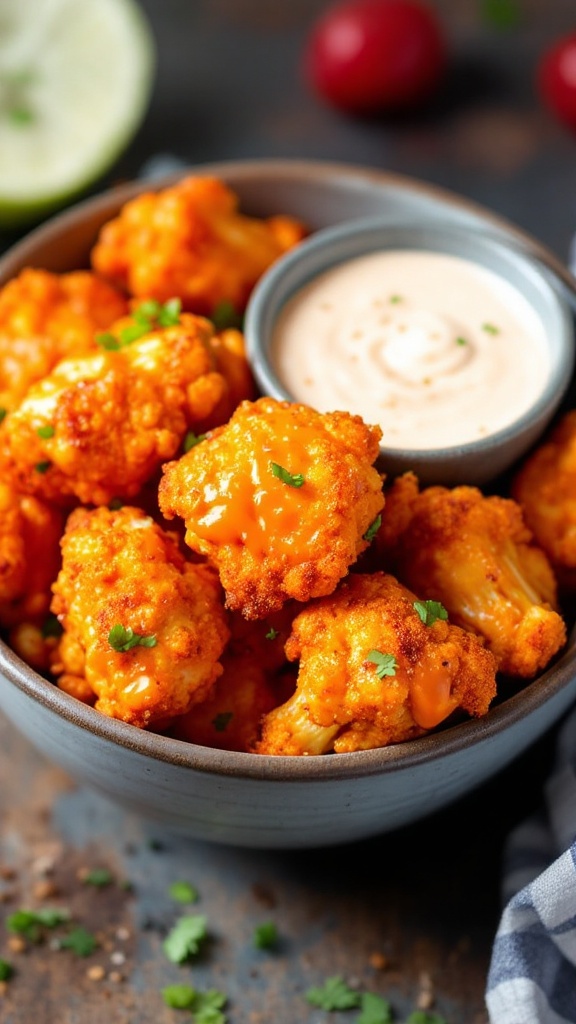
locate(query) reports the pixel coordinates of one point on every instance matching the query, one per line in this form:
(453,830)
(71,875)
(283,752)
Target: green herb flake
(133,332)
(51,627)
(207,1007)
(395,299)
(3,413)
(222,720)
(334,994)
(490,329)
(265,935)
(375,1010)
(430,611)
(80,941)
(183,892)
(116,504)
(169,314)
(98,877)
(123,638)
(29,923)
(146,312)
(286,477)
(272,633)
(42,467)
(46,432)
(185,938)
(51,917)
(386,664)
(373,529)
(192,439)
(108,341)
(461,341)
(6,970)
(179,997)
(225,315)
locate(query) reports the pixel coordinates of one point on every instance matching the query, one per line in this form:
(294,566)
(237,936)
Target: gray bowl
(243,799)
(474,462)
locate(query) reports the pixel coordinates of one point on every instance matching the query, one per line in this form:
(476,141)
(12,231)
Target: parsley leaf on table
(334,994)
(375,1010)
(185,938)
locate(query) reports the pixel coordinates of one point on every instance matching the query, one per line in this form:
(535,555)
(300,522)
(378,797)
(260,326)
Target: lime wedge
(75,80)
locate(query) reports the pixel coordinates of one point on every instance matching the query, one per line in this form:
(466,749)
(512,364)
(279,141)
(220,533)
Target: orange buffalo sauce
(431,696)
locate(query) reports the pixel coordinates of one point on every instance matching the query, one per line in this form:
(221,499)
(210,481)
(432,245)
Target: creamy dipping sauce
(435,348)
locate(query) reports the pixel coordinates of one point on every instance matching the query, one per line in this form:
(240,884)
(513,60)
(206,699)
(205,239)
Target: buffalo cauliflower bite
(372,673)
(229,352)
(30,531)
(100,425)
(143,627)
(190,240)
(475,555)
(545,487)
(279,500)
(46,317)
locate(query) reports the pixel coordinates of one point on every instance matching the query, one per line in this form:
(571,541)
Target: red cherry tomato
(557,79)
(365,56)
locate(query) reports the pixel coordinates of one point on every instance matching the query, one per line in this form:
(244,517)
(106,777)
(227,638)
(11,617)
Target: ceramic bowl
(244,799)
(474,462)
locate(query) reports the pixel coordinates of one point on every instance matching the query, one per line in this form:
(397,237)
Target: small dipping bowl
(548,295)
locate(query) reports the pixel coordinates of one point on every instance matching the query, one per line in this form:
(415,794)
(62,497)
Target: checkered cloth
(532,978)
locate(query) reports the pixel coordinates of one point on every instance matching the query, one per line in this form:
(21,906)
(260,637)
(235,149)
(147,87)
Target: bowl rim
(332,246)
(266,768)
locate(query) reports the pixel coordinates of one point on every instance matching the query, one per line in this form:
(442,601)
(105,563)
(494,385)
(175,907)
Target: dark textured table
(412,914)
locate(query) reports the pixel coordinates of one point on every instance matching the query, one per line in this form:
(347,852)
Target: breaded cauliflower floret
(476,556)
(30,531)
(230,360)
(190,240)
(46,317)
(279,500)
(372,673)
(545,487)
(99,426)
(122,574)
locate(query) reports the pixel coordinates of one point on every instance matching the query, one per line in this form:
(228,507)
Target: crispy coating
(545,487)
(99,426)
(476,556)
(120,568)
(342,703)
(274,538)
(230,360)
(46,317)
(30,531)
(190,240)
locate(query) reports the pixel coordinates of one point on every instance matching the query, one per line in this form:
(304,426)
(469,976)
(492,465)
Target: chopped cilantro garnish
(6,970)
(98,877)
(184,939)
(395,299)
(183,892)
(334,994)
(375,1010)
(179,997)
(265,935)
(46,432)
(123,638)
(461,341)
(222,720)
(169,314)
(286,477)
(3,413)
(386,664)
(225,315)
(272,633)
(42,467)
(80,941)
(29,923)
(207,1007)
(490,329)
(373,529)
(51,627)
(134,331)
(192,439)
(430,611)
(108,341)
